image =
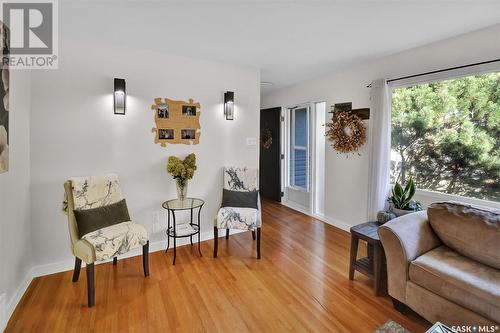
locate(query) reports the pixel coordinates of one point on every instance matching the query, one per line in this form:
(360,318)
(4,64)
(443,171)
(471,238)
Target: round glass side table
(183,230)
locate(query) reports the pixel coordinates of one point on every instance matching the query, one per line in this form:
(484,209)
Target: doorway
(270,154)
(298,189)
(304,156)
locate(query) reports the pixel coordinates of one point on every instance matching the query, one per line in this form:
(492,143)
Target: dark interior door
(270,154)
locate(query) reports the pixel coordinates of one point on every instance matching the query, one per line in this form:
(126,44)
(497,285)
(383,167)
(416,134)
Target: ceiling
(290,41)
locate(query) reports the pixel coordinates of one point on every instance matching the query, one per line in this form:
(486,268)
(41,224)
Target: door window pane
(300,165)
(299,147)
(301,127)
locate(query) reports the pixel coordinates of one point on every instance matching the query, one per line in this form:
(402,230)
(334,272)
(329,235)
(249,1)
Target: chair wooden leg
(115,261)
(78,266)
(90,285)
(253,234)
(145,259)
(216,241)
(227,233)
(258,243)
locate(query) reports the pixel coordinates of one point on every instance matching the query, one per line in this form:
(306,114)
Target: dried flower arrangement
(346,131)
(182,171)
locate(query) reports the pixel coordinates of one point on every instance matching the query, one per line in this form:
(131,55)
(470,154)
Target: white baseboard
(21,289)
(336,223)
(295,206)
(7,310)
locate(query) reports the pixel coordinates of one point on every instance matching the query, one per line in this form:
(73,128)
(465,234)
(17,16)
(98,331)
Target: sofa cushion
(93,219)
(459,279)
(471,231)
(237,218)
(239,199)
(435,308)
(116,239)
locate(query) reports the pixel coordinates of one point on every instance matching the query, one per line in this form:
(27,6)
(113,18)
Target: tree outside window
(446,135)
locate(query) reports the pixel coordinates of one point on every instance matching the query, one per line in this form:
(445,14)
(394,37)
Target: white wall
(347,178)
(74,132)
(15,240)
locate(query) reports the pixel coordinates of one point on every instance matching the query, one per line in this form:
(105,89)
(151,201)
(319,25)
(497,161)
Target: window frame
(442,76)
(427,195)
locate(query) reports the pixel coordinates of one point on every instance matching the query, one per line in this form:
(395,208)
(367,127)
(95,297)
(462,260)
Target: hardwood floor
(301,284)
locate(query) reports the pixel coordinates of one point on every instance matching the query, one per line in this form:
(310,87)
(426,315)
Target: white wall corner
(3,311)
(21,289)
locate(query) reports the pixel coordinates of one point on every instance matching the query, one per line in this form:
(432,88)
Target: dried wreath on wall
(346,132)
(266,138)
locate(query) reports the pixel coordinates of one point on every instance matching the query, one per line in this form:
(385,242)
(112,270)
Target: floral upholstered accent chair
(243,218)
(82,193)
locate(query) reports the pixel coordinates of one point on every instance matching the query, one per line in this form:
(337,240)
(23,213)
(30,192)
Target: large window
(446,135)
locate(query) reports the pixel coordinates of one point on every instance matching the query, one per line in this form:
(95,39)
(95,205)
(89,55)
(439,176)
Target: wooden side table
(374,264)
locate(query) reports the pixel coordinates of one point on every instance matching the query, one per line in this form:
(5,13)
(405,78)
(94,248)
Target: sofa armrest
(404,239)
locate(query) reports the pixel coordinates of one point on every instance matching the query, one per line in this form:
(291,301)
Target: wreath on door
(346,132)
(266,138)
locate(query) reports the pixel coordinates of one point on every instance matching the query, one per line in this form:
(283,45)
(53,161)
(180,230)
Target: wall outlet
(251,141)
(156,222)
(159,221)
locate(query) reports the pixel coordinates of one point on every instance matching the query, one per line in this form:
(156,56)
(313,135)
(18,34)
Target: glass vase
(181,191)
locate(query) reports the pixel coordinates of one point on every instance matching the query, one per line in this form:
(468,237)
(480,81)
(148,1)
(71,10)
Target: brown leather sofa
(444,263)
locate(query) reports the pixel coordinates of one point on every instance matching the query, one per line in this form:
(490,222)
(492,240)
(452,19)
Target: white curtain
(380,147)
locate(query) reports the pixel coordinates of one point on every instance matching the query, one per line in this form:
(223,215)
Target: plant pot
(401,212)
(182,191)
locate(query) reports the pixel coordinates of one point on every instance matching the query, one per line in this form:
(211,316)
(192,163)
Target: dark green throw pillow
(93,219)
(239,199)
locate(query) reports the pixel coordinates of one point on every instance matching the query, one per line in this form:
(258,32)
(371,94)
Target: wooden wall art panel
(177,122)
(4,99)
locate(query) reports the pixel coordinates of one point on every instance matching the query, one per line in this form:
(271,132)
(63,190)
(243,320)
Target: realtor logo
(33,33)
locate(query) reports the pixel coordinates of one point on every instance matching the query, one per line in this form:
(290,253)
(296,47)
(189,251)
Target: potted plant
(182,171)
(401,199)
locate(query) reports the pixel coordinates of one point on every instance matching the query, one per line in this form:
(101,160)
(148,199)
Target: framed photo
(163,111)
(165,134)
(189,110)
(177,122)
(4,100)
(188,134)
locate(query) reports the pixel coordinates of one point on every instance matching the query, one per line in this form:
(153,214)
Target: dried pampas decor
(346,132)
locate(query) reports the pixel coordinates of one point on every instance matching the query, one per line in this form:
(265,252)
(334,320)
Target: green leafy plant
(401,198)
(182,170)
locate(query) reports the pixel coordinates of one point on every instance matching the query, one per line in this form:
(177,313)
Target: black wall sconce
(229,105)
(120,96)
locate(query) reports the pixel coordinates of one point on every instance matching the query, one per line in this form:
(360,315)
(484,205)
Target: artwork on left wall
(176,122)
(4,101)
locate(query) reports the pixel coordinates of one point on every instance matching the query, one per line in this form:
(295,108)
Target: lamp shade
(229,105)
(120,96)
